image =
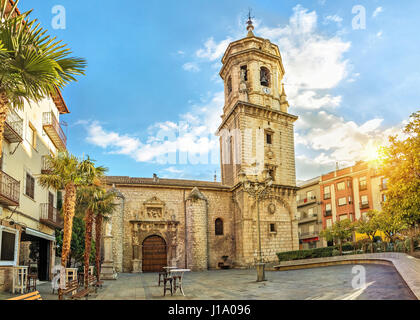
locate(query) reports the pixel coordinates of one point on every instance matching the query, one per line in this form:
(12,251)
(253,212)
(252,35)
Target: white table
(178,273)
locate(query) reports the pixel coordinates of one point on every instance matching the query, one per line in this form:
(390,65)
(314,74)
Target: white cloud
(213,50)
(334,18)
(191,66)
(379,34)
(377,11)
(193,134)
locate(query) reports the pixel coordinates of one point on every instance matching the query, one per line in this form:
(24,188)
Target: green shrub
(335,252)
(306,254)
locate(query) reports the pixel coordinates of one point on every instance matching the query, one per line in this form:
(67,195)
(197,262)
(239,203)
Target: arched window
(218,226)
(229,85)
(264,77)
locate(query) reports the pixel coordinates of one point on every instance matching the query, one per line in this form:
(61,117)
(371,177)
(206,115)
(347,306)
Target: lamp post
(257,190)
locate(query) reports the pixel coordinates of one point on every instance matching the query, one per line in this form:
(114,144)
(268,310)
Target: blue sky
(153,67)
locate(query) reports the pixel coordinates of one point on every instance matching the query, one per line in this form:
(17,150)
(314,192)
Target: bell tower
(256,136)
(257,130)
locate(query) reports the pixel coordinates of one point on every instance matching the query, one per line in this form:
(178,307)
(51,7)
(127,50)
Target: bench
(73,288)
(29,296)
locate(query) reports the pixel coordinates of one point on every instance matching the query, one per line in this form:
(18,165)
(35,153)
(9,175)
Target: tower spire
(249,26)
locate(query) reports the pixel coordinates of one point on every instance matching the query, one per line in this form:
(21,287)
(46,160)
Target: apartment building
(28,212)
(309,214)
(349,193)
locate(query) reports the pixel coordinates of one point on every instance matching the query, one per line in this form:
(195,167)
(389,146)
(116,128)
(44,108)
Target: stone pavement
(407,266)
(328,283)
(325,283)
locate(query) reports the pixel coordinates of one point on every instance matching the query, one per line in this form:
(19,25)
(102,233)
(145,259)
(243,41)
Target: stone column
(107,268)
(197,228)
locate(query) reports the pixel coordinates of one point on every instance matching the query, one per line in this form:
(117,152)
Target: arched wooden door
(154,254)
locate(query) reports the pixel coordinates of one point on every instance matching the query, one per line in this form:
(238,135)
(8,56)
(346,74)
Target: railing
(9,189)
(49,215)
(362,187)
(308,234)
(307,200)
(364,205)
(15,122)
(45,166)
(327,196)
(308,216)
(327,213)
(49,119)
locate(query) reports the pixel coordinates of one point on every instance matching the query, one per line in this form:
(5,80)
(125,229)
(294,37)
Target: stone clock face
(266,90)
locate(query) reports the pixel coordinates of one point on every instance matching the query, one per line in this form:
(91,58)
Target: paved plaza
(325,283)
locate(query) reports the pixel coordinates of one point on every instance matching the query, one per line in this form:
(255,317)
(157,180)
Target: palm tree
(86,204)
(105,206)
(69,173)
(33,65)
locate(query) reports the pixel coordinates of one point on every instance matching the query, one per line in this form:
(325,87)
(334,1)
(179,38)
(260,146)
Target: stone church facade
(201,225)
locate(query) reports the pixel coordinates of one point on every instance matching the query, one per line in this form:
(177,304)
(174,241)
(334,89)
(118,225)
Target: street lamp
(257,190)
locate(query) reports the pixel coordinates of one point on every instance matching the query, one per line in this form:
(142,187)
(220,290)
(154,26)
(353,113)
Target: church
(210,225)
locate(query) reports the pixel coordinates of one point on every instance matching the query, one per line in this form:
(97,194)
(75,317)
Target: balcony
(309,234)
(309,200)
(45,168)
(53,129)
(308,217)
(383,186)
(327,213)
(50,216)
(13,128)
(364,205)
(9,190)
(327,196)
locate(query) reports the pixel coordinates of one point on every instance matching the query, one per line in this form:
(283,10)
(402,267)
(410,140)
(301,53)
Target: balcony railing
(364,205)
(308,217)
(45,167)
(50,216)
(327,196)
(53,129)
(9,190)
(13,128)
(307,200)
(308,234)
(383,186)
(327,213)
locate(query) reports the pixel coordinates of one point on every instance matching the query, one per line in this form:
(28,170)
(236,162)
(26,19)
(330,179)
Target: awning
(311,239)
(39,234)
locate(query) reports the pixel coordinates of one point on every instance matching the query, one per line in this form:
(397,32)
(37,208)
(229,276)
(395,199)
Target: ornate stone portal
(153,219)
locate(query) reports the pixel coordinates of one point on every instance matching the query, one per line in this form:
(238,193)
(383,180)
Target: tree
(368,226)
(77,242)
(401,166)
(339,232)
(33,65)
(389,224)
(104,208)
(68,172)
(90,202)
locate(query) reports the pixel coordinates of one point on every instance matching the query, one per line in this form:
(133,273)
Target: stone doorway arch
(154,254)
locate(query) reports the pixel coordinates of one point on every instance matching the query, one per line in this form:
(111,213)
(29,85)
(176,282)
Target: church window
(269,138)
(229,85)
(218,225)
(244,73)
(264,77)
(272,227)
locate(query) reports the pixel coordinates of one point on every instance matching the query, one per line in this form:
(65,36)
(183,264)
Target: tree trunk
(98,236)
(88,244)
(3,114)
(341,247)
(68,211)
